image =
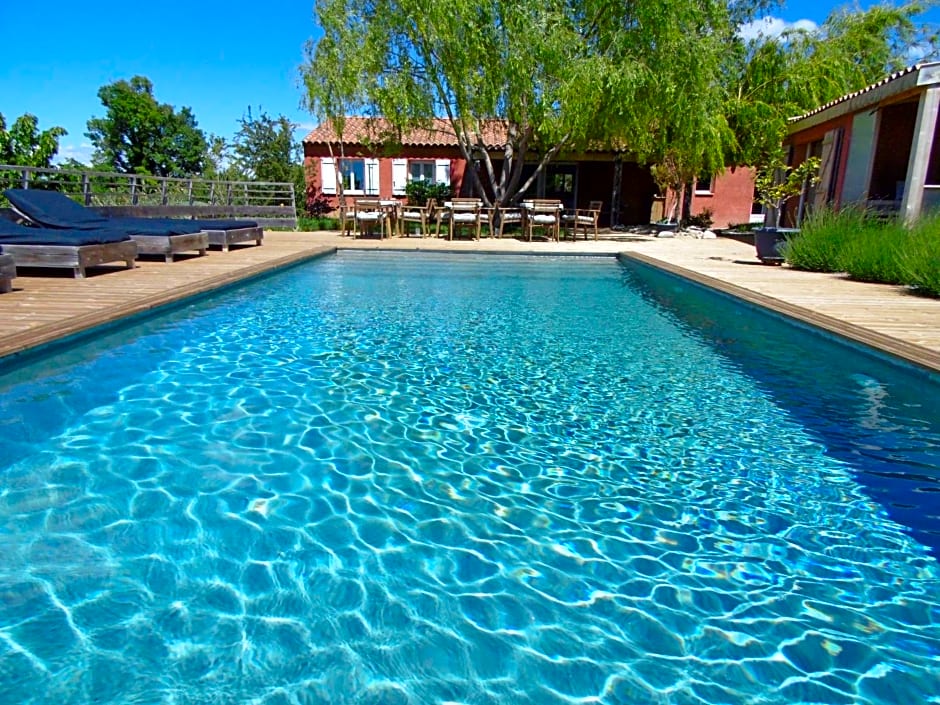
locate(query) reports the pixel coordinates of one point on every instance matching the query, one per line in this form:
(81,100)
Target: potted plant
(776,184)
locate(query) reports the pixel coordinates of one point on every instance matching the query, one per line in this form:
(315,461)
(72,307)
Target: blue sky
(216,57)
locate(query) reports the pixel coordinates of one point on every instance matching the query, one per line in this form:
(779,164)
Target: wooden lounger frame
(7,273)
(225,238)
(76,257)
(171,245)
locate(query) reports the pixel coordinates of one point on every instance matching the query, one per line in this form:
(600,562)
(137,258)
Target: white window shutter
(442,171)
(327,175)
(371,185)
(399,176)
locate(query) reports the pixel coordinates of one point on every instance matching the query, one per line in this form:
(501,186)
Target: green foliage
(823,234)
(23,144)
(139,135)
(640,76)
(872,252)
(869,248)
(701,220)
(769,80)
(218,161)
(419,192)
(777,183)
(920,258)
(308,224)
(264,148)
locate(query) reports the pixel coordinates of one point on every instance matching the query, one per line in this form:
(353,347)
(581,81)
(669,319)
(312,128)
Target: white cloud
(81,152)
(920,52)
(769,27)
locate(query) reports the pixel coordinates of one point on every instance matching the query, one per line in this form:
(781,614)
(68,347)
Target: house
(727,199)
(876,146)
(376,161)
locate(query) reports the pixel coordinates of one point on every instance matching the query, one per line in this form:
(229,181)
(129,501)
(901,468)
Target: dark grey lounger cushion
(14,234)
(53,209)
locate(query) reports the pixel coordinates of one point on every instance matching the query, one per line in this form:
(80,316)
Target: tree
(265,149)
(553,74)
(25,145)
(770,79)
(140,135)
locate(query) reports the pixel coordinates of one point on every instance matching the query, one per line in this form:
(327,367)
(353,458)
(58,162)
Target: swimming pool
(389,478)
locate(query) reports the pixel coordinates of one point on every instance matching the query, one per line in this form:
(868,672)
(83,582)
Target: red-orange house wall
(313,154)
(729,200)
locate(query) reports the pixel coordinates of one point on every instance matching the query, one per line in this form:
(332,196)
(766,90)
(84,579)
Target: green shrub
(819,245)
(873,252)
(870,249)
(920,260)
(418,192)
(701,220)
(314,224)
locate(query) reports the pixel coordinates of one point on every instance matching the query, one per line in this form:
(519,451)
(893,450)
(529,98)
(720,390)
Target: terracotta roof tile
(867,89)
(362,130)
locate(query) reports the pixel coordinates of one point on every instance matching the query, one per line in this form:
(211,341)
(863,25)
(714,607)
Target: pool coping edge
(909,352)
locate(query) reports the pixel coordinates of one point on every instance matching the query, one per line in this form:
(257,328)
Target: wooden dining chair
(465,213)
(584,218)
(347,218)
(370,212)
(416,214)
(507,215)
(545,214)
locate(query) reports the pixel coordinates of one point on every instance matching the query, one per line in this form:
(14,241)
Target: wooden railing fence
(272,204)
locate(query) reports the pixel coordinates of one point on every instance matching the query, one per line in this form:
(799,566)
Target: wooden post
(24,181)
(86,188)
(163,192)
(133,190)
(189,192)
(921,147)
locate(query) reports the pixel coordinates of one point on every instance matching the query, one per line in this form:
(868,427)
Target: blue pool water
(406,479)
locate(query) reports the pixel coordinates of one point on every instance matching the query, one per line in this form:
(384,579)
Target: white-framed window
(422,170)
(703,184)
(360,176)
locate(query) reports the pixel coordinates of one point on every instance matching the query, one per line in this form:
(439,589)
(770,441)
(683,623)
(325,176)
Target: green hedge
(313,224)
(870,248)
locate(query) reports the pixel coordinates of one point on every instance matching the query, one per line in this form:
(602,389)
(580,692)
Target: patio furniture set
(49,229)
(388,218)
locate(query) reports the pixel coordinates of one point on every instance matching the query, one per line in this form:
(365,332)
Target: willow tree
(771,79)
(549,75)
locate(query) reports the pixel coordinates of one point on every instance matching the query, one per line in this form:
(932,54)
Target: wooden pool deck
(45,308)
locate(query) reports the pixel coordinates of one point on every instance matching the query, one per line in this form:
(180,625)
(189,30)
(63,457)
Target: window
(703,184)
(562,183)
(359,176)
(353,174)
(421,170)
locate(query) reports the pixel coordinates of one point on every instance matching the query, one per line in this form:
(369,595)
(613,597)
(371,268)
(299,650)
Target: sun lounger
(164,236)
(7,272)
(75,249)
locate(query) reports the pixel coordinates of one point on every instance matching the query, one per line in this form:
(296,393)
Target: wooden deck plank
(44,307)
